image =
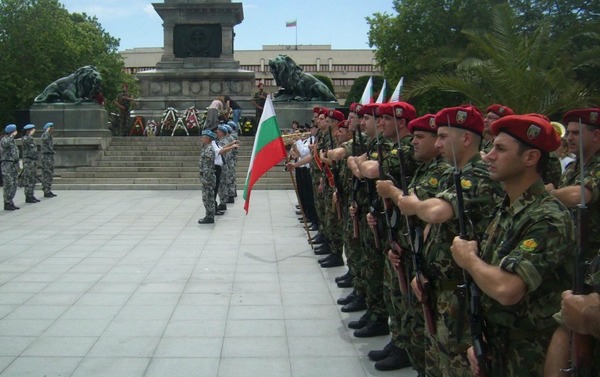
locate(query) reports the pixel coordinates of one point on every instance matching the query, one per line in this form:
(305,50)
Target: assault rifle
(339,187)
(468,289)
(581,350)
(356,181)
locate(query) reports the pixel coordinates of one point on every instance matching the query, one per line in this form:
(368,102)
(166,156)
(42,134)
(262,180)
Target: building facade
(341,66)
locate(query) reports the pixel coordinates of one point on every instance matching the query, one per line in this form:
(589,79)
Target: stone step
(173,174)
(260,185)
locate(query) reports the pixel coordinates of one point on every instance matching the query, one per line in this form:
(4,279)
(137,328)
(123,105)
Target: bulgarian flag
(396,94)
(382,92)
(291,23)
(267,151)
(367,96)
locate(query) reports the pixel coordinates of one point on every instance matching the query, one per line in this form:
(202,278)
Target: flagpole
(296,34)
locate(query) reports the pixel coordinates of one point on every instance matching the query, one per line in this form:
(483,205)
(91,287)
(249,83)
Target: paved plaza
(126,283)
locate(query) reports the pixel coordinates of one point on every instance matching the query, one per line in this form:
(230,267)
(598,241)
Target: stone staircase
(159,163)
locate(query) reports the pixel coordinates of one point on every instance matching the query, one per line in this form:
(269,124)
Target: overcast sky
(340,23)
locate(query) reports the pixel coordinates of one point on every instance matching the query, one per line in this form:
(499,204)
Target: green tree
(527,73)
(41,42)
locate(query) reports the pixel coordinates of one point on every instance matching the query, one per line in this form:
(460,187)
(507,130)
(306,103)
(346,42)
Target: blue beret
(28,127)
(10,129)
(232,125)
(229,129)
(48,125)
(223,128)
(209,133)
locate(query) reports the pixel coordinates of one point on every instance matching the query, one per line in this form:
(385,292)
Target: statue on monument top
(296,85)
(80,86)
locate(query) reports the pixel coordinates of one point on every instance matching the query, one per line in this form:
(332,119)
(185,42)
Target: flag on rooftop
(291,23)
(268,149)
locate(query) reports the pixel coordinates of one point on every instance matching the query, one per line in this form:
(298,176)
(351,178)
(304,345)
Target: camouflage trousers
(29,173)
(517,357)
(208,199)
(222,189)
(319,202)
(9,179)
(371,268)
(352,250)
(447,356)
(231,183)
(332,229)
(47,162)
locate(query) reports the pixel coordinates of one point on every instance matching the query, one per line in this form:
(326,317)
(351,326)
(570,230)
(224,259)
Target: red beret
(317,110)
(500,110)
(369,109)
(465,117)
(587,116)
(398,110)
(335,114)
(343,124)
(531,129)
(353,106)
(425,123)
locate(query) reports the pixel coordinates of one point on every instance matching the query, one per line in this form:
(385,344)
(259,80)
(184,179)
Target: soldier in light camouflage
(47,160)
(208,179)
(10,164)
(30,158)
(459,137)
(526,254)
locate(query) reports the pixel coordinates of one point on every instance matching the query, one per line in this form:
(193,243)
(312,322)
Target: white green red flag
(268,149)
(396,95)
(291,23)
(382,92)
(367,96)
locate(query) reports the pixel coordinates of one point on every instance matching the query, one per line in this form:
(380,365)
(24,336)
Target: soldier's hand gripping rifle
(356,182)
(468,292)
(339,187)
(581,350)
(374,202)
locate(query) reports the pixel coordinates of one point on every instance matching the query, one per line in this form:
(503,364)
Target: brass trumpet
(289,139)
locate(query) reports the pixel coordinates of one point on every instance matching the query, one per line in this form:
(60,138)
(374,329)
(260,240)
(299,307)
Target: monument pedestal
(71,120)
(301,111)
(197,64)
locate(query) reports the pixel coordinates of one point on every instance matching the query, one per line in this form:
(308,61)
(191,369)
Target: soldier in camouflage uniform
(459,137)
(375,321)
(526,254)
(493,113)
(425,184)
(10,165)
(231,185)
(395,117)
(30,158)
(208,179)
(223,139)
(331,230)
(47,160)
(581,124)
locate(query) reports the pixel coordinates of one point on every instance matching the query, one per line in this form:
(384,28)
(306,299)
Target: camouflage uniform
(331,230)
(208,179)
(223,190)
(553,171)
(316,175)
(10,164)
(591,222)
(231,184)
(533,238)
(425,184)
(47,160)
(30,157)
(480,195)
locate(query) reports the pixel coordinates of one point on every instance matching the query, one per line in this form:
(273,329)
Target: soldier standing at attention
(526,254)
(123,102)
(208,179)
(47,160)
(30,157)
(10,163)
(459,136)
(493,113)
(258,100)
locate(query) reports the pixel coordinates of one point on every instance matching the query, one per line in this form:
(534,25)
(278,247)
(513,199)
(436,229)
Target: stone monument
(197,64)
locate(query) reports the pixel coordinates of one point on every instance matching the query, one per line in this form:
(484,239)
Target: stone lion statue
(80,86)
(295,84)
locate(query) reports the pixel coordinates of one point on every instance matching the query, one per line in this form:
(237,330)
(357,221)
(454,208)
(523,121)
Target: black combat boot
(343,277)
(356,305)
(9,207)
(31,199)
(347,299)
(207,220)
(397,359)
(49,194)
(361,322)
(377,355)
(336,260)
(222,207)
(230,200)
(373,328)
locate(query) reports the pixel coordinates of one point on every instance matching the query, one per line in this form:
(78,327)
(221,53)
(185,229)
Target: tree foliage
(41,42)
(325,80)
(443,39)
